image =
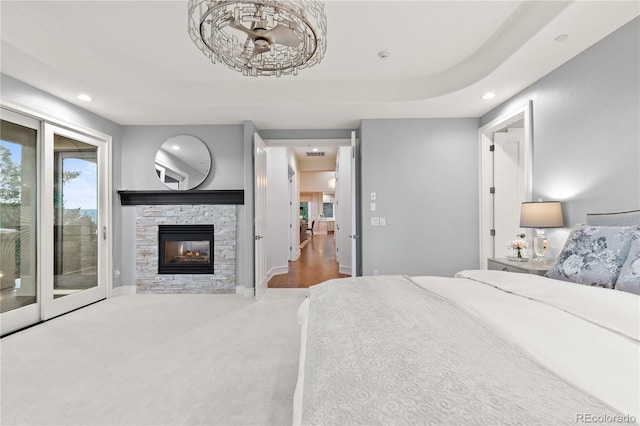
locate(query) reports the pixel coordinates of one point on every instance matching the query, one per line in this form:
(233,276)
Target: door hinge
(492,190)
(492,147)
(492,232)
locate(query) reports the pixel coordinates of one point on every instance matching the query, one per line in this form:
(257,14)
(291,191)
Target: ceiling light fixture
(84,97)
(260,37)
(488,95)
(561,38)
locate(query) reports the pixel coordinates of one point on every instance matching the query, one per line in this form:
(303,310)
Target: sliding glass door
(53,220)
(19,296)
(74,254)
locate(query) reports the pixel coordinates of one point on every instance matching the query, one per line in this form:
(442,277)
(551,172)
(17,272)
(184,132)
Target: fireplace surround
(222,279)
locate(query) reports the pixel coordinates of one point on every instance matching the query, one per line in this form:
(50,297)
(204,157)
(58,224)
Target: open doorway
(318,232)
(505,180)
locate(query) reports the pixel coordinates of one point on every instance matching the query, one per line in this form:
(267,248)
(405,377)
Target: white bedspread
(384,350)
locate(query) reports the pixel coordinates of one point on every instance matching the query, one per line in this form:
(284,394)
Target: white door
(54,252)
(20,295)
(75,201)
(260,214)
(509,184)
(343,214)
(354,206)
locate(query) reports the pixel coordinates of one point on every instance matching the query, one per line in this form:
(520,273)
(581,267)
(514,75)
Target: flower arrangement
(518,246)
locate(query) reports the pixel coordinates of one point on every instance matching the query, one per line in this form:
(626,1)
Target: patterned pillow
(593,255)
(629,278)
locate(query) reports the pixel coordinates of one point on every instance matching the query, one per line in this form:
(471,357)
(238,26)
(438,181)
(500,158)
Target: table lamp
(540,215)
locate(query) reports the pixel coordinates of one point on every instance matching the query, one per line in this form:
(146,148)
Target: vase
(519,251)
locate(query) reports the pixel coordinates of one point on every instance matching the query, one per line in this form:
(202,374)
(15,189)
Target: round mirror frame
(183,162)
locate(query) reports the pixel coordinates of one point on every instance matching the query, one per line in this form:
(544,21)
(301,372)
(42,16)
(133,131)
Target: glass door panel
(75,198)
(18,196)
(75,216)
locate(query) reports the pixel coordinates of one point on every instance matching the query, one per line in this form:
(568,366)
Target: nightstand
(527,267)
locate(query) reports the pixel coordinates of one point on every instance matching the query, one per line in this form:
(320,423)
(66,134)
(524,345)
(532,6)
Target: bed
(483,347)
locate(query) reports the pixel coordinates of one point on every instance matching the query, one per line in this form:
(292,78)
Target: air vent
(315,154)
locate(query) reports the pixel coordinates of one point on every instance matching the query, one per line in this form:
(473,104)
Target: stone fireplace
(200,262)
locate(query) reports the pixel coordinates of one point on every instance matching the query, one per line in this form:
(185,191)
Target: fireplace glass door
(185,249)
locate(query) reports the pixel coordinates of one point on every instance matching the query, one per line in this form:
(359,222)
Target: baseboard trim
(123,290)
(245,291)
(344,269)
(277,270)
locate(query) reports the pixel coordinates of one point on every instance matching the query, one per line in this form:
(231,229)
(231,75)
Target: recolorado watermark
(605,418)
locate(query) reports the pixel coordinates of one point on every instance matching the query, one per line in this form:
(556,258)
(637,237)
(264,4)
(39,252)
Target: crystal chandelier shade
(260,37)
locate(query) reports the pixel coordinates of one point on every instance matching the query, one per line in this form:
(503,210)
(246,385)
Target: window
(304,210)
(327,210)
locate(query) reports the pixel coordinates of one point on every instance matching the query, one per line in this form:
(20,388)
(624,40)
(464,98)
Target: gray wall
(139,146)
(36,100)
(425,174)
(140,143)
(586,128)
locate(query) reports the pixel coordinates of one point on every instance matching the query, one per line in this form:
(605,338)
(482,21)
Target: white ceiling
(137,61)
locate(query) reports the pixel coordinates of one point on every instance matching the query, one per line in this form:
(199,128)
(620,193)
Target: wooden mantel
(223,196)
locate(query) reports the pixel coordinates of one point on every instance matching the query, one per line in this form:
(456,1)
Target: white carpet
(157,360)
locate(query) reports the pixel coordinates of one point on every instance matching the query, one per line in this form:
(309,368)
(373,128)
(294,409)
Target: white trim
(39,115)
(245,291)
(277,270)
(344,269)
(123,290)
(296,143)
(485,134)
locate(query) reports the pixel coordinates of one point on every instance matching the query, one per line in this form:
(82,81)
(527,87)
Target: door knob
(258,237)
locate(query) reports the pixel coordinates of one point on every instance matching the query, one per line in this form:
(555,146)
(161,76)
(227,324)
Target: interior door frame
(259,214)
(107,186)
(485,135)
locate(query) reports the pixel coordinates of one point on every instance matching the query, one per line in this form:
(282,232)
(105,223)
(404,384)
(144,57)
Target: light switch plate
(373,207)
(375,221)
(383,221)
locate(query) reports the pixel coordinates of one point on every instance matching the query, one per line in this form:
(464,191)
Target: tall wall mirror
(183,162)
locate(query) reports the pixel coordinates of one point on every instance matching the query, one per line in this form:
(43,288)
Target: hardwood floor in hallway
(317,263)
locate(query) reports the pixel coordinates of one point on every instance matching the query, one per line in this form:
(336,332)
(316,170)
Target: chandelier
(260,37)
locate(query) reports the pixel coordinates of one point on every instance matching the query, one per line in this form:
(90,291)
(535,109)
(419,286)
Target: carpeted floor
(157,360)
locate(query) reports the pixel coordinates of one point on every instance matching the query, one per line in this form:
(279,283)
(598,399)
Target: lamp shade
(543,214)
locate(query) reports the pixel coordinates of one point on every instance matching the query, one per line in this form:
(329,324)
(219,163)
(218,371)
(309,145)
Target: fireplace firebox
(185,249)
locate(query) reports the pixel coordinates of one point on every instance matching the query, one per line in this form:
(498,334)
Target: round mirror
(183,162)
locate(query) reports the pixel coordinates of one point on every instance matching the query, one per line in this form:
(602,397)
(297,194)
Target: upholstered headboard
(614,219)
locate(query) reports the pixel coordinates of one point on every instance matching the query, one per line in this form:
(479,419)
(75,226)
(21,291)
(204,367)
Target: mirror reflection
(183,162)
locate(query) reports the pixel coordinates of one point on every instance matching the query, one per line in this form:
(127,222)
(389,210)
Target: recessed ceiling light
(315,150)
(488,95)
(384,54)
(85,97)
(561,38)
(175,147)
